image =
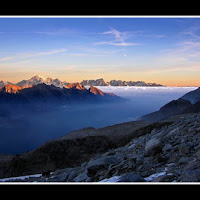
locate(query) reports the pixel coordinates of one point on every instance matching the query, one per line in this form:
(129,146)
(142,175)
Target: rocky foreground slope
(168,151)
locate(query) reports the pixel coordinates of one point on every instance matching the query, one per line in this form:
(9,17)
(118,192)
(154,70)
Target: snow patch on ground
(20,177)
(153,176)
(112,179)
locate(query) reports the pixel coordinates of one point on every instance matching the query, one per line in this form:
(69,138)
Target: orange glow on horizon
(166,81)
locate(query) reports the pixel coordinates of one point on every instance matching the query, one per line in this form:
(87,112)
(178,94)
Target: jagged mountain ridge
(35,80)
(97,82)
(58,83)
(2,83)
(42,93)
(101,82)
(75,86)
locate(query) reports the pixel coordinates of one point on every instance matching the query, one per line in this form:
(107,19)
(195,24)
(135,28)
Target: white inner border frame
(99,16)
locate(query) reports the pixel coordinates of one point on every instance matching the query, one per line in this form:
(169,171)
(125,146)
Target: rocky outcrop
(96,91)
(13,89)
(75,86)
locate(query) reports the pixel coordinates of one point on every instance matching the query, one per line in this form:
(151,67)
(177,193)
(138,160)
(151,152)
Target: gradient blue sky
(161,50)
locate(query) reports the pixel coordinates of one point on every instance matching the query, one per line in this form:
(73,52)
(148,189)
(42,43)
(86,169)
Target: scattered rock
(198,154)
(81,177)
(184,148)
(131,177)
(163,154)
(132,146)
(164,178)
(153,146)
(167,147)
(101,163)
(191,172)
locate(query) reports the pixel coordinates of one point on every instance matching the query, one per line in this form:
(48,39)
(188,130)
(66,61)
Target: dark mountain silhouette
(194,108)
(174,107)
(188,103)
(44,94)
(192,96)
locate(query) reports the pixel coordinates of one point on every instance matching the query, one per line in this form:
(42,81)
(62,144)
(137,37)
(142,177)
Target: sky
(163,50)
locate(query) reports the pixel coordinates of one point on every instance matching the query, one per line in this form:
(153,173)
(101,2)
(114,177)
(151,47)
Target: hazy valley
(31,115)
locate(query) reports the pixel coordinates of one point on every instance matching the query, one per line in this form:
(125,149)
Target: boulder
(185,148)
(198,154)
(167,147)
(164,178)
(153,146)
(81,177)
(101,163)
(131,177)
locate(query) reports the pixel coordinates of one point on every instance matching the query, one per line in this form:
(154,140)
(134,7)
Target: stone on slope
(191,172)
(153,146)
(167,147)
(101,163)
(131,177)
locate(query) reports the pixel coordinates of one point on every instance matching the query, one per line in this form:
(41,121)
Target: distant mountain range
(35,80)
(38,80)
(188,103)
(101,82)
(43,94)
